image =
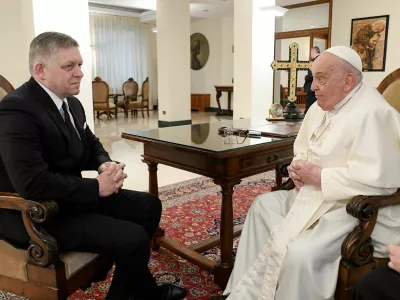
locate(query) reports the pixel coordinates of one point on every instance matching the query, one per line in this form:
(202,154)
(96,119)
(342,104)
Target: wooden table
(115,97)
(229,90)
(225,163)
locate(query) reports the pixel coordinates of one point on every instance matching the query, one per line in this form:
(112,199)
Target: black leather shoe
(172,292)
(218,298)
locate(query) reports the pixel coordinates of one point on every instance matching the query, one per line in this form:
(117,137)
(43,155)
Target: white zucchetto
(347,54)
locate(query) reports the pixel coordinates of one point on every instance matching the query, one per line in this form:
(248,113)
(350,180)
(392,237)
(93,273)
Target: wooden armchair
(130,89)
(390,89)
(41,272)
(144,104)
(5,87)
(101,102)
(357,249)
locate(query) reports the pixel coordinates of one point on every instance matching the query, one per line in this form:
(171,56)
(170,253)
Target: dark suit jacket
(36,160)
(307,88)
(309,79)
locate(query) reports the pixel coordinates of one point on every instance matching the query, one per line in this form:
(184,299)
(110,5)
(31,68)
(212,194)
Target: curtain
(119,48)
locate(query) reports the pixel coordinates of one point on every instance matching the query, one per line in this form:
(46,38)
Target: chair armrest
(39,211)
(282,171)
(43,249)
(357,248)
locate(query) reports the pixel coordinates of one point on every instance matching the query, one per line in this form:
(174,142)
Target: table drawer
(265,159)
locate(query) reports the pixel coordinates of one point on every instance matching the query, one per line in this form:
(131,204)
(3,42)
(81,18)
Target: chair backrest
(130,88)
(5,87)
(100,91)
(390,89)
(145,89)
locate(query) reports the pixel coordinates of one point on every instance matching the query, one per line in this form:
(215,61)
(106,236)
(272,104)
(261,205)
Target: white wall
(227,58)
(49,15)
(254,32)
(24,19)
(306,18)
(345,10)
(173,68)
(16,19)
(152,66)
(219,67)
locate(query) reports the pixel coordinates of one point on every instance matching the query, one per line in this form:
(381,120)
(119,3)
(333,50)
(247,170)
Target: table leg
(224,269)
(219,112)
(116,107)
(153,189)
(153,182)
(230,113)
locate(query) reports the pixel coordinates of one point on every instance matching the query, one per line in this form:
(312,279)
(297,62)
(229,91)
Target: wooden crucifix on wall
(292,66)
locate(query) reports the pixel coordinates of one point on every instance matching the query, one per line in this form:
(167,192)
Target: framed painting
(369,39)
(199,51)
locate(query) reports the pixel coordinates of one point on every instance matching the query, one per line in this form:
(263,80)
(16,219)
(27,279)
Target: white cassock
(357,145)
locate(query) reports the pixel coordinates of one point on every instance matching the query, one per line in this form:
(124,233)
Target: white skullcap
(348,55)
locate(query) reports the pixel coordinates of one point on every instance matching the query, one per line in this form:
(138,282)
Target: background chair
(101,102)
(42,272)
(357,249)
(144,103)
(130,90)
(390,89)
(5,87)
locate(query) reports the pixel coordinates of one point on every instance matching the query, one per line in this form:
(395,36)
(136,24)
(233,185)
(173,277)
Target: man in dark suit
(45,144)
(314,53)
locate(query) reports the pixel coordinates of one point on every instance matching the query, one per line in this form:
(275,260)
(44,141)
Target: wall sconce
(154,29)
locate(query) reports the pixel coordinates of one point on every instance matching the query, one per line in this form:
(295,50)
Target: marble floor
(129,152)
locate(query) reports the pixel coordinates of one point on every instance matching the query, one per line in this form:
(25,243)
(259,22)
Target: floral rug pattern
(191,211)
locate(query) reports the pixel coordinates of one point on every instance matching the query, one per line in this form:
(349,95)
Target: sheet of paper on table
(282,130)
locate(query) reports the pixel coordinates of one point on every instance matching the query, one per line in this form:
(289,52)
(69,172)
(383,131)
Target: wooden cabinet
(200,102)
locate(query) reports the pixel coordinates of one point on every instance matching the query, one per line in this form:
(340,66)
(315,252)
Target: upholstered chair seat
(14,261)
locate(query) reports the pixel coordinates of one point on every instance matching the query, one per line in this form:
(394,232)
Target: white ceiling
(198,8)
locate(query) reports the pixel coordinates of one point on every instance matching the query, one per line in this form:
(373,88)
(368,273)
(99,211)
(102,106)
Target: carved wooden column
(153,181)
(153,189)
(224,269)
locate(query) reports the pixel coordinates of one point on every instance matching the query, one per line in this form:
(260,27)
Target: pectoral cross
(292,66)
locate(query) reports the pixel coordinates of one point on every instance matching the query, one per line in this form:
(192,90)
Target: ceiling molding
(305,4)
(115,7)
(148,17)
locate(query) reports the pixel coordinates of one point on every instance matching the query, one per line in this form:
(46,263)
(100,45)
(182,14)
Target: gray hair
(46,45)
(348,68)
(316,49)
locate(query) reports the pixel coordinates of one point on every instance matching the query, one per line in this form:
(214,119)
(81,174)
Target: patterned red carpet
(191,212)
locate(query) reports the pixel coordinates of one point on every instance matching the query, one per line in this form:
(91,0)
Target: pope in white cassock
(348,145)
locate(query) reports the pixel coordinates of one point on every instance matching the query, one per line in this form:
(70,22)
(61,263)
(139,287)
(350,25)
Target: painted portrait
(369,39)
(199,51)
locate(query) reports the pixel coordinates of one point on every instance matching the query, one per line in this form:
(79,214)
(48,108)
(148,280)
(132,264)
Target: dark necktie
(75,142)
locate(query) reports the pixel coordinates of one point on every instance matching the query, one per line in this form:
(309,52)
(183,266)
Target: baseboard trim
(162,124)
(224,111)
